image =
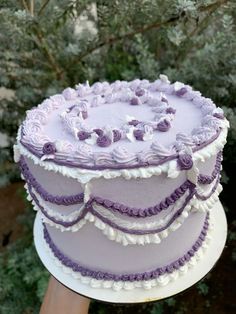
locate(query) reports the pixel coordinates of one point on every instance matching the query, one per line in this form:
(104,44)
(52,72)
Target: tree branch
(45,3)
(203,24)
(131,34)
(155,25)
(25,5)
(44,46)
(32,7)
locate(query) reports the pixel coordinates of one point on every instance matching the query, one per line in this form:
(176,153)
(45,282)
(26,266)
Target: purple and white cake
(124,176)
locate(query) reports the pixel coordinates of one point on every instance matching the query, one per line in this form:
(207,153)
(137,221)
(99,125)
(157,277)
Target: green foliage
(160,306)
(203,288)
(48,45)
(23,277)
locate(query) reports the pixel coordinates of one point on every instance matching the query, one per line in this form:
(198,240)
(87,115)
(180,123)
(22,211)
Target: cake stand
(139,295)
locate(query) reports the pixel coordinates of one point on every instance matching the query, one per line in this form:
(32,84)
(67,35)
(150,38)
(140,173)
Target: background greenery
(47,45)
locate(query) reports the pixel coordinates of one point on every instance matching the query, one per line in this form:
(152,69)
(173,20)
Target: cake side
(134,211)
(125,273)
(133,188)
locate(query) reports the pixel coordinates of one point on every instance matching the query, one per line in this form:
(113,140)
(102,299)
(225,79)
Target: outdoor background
(47,45)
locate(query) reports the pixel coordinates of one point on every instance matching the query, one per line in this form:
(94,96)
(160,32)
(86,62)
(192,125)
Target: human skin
(59,299)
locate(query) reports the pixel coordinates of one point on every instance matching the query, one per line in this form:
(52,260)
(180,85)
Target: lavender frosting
(149,274)
(207,179)
(55,199)
(118,207)
(158,111)
(145,212)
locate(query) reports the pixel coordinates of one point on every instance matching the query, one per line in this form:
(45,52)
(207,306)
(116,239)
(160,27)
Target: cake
(124,176)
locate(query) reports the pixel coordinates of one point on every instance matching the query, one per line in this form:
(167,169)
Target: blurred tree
(48,45)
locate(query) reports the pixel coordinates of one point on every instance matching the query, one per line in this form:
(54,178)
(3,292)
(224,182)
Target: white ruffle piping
(52,213)
(162,280)
(206,205)
(119,236)
(85,175)
(108,214)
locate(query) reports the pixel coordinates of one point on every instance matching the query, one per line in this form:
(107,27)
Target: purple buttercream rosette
(181,91)
(219,115)
(140,92)
(103,141)
(135,101)
(116,135)
(134,122)
(138,134)
(49,148)
(185,161)
(83,135)
(99,132)
(170,110)
(163,126)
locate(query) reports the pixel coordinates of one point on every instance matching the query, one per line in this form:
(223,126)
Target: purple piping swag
(205,197)
(65,224)
(207,179)
(89,208)
(144,212)
(59,200)
(115,206)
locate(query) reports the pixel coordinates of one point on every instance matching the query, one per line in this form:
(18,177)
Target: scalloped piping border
(164,204)
(116,206)
(73,216)
(66,200)
(118,285)
(132,239)
(85,175)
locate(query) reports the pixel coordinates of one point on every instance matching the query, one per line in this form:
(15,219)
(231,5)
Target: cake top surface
(121,125)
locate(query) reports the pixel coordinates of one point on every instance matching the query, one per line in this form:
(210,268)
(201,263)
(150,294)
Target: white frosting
(157,223)
(147,284)
(169,167)
(52,213)
(204,206)
(120,236)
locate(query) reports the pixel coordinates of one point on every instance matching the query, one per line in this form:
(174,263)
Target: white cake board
(138,295)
